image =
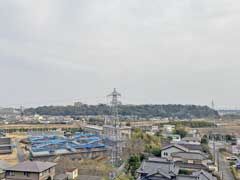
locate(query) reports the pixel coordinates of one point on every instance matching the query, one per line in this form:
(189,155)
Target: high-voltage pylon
(116,140)
(21,112)
(212,105)
(114,105)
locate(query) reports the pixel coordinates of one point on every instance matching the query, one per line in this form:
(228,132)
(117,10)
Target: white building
(168,128)
(191,140)
(167,151)
(72,173)
(154,129)
(235,149)
(119,133)
(175,138)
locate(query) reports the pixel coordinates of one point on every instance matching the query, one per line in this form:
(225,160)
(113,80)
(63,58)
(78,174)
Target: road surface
(223,163)
(224,168)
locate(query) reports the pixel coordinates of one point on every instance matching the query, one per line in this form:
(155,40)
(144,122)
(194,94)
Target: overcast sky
(152,51)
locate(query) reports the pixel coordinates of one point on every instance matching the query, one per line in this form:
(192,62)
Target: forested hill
(144,111)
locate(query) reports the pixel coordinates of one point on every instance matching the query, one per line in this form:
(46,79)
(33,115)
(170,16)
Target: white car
(232,158)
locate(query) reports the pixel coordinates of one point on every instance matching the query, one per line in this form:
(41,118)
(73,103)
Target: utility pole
(214,150)
(218,165)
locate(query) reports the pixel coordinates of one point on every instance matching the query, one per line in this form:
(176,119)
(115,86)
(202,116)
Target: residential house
(186,156)
(168,129)
(3,166)
(190,157)
(72,173)
(203,175)
(191,140)
(175,138)
(31,170)
(154,129)
(235,149)
(163,169)
(157,167)
(191,160)
(192,147)
(166,151)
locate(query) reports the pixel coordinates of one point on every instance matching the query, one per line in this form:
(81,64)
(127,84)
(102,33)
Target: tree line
(192,124)
(142,111)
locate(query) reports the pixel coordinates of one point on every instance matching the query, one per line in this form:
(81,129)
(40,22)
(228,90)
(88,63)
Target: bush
(151,142)
(156,152)
(204,140)
(133,164)
(185,172)
(192,124)
(180,130)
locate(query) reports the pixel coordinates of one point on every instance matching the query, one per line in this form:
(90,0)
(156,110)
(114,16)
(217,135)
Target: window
(10,173)
(165,154)
(26,174)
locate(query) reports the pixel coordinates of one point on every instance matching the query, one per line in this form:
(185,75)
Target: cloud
(154,51)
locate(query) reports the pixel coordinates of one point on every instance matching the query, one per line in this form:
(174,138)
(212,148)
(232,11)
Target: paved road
(223,164)
(224,168)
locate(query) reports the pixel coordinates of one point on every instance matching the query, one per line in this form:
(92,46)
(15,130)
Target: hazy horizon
(153,52)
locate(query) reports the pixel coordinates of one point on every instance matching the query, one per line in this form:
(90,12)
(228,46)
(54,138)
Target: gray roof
(203,175)
(186,177)
(31,166)
(178,146)
(158,166)
(190,155)
(183,165)
(162,169)
(191,139)
(192,147)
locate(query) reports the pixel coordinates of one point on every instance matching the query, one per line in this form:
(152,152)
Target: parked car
(211,166)
(238,165)
(232,158)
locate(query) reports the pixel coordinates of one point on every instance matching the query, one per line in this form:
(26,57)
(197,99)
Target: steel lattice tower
(116,143)
(114,105)
(212,105)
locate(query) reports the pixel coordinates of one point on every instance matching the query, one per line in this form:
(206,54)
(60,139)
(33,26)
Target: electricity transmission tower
(116,139)
(212,105)
(114,105)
